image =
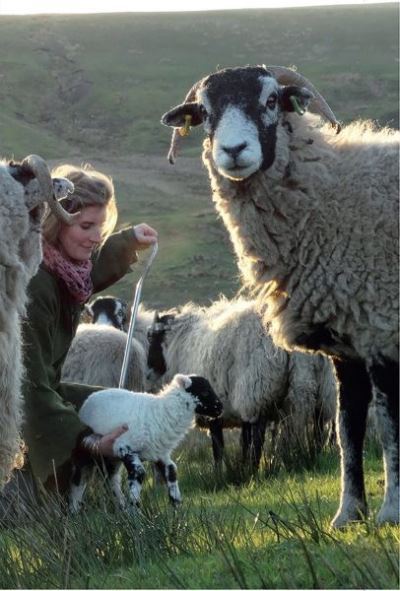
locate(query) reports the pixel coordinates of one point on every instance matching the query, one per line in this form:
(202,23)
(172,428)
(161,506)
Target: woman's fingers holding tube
(145,235)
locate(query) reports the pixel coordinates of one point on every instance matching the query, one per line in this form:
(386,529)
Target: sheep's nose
(234,151)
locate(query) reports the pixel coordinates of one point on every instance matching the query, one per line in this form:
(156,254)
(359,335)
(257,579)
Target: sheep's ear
(182,381)
(290,95)
(176,116)
(88,309)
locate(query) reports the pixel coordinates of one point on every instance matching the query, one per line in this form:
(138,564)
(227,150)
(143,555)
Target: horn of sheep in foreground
(318,105)
(42,173)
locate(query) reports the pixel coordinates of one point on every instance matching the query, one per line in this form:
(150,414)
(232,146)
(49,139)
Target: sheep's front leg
(167,470)
(355,393)
(136,472)
(385,377)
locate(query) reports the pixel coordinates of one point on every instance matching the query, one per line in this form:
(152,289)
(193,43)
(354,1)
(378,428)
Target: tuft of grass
(268,532)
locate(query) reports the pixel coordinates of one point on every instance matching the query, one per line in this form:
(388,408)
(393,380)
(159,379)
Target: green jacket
(51,423)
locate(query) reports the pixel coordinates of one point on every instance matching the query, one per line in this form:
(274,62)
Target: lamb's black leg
(113,468)
(385,377)
(217,440)
(355,392)
(136,472)
(83,464)
(168,471)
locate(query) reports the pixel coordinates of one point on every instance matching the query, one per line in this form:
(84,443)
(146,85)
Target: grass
(264,533)
(100,83)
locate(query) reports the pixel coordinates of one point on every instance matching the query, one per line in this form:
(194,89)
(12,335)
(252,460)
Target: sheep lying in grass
(313,218)
(257,382)
(157,424)
(24,188)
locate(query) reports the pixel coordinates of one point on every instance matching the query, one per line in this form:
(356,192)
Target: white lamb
(157,424)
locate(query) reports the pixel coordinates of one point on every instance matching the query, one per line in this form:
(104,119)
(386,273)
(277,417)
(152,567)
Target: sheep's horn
(318,104)
(42,173)
(176,137)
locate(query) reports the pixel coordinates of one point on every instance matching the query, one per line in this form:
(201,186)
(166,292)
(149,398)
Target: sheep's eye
(272,100)
(203,112)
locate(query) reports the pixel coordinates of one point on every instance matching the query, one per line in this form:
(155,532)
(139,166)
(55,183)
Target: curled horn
(41,171)
(318,104)
(176,136)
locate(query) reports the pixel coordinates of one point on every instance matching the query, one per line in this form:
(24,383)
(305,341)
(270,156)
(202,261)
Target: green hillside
(93,88)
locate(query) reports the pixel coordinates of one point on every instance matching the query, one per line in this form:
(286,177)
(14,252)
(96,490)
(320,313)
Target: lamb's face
(240,109)
(208,403)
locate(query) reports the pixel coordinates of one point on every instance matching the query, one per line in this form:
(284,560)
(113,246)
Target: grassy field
(230,533)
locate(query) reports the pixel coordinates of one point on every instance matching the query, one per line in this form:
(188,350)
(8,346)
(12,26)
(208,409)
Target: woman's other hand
(145,236)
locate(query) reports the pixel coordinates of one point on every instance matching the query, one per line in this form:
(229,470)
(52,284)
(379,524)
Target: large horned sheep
(156,425)
(257,382)
(24,188)
(313,218)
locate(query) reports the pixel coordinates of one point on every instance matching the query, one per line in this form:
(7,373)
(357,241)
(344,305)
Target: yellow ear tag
(185,130)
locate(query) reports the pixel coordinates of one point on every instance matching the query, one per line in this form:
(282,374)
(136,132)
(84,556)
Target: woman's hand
(103,445)
(145,236)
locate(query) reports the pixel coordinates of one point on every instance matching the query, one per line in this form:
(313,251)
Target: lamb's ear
(182,381)
(176,116)
(290,95)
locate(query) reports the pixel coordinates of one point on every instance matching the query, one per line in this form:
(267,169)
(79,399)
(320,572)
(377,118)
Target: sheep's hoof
(388,513)
(343,518)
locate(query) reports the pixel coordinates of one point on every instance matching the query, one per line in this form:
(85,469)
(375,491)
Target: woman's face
(79,240)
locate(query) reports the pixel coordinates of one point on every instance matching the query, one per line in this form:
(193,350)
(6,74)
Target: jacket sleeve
(51,425)
(114,258)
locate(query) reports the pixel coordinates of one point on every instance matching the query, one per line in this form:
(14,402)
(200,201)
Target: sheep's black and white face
(208,403)
(109,311)
(240,109)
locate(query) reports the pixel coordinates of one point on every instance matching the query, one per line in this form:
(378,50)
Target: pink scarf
(75,275)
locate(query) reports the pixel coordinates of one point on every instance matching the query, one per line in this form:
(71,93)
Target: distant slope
(93,88)
(99,83)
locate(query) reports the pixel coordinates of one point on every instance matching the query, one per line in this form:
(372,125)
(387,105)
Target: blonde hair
(91,188)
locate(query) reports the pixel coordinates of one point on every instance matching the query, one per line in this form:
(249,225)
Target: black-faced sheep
(313,218)
(257,382)
(108,310)
(24,188)
(157,424)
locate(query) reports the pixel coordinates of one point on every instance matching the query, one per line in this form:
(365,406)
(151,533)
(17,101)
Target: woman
(78,260)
